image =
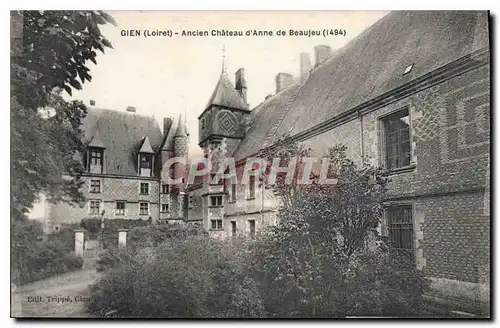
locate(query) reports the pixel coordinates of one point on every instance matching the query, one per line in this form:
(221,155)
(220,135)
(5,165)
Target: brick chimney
(167,124)
(283,81)
(241,84)
(131,109)
(305,67)
(322,52)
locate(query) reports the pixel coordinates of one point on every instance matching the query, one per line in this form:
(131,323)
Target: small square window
(216,200)
(120,208)
(164,188)
(164,208)
(143,208)
(94,207)
(95,186)
(146,161)
(216,224)
(144,188)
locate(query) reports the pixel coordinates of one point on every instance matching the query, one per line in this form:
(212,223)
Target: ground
(63,296)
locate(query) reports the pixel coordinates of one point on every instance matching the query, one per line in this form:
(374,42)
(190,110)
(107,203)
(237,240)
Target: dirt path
(60,296)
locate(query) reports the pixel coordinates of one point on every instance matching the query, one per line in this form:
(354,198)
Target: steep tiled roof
(373,63)
(225,95)
(122,135)
(265,119)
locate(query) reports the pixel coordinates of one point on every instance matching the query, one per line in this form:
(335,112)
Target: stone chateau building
(411,93)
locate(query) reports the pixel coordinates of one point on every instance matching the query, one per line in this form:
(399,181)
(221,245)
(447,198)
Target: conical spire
(181,128)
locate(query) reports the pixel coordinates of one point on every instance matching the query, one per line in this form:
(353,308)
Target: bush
(33,258)
(196,277)
(113,257)
(153,235)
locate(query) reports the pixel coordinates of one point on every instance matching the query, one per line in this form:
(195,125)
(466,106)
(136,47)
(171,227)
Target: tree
(55,49)
(325,257)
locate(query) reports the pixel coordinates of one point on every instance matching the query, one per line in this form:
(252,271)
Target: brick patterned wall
(455,236)
(112,189)
(450,133)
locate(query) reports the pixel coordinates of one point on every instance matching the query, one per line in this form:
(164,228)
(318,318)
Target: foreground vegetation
(325,258)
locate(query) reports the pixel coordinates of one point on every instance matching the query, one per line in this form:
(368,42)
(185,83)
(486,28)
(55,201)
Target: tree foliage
(326,258)
(46,141)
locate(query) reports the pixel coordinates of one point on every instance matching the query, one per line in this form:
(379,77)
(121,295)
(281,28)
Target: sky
(163,76)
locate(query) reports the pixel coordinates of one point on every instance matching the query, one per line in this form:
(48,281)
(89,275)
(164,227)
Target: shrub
(33,258)
(113,257)
(193,277)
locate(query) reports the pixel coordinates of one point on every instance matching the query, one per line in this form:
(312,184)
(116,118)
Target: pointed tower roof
(226,95)
(181,128)
(96,140)
(146,146)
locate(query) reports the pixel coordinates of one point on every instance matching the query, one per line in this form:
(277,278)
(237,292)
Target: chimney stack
(131,109)
(167,124)
(283,81)
(322,52)
(92,103)
(305,67)
(241,84)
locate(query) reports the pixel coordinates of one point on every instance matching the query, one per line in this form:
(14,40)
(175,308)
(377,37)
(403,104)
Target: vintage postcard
(250,164)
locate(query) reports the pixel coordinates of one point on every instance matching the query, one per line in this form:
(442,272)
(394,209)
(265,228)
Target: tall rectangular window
(120,208)
(233,192)
(233,228)
(252,227)
(164,208)
(96,156)
(396,130)
(144,188)
(400,233)
(251,187)
(164,188)
(94,207)
(95,186)
(143,208)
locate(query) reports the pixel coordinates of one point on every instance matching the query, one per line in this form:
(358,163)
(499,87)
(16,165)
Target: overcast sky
(164,76)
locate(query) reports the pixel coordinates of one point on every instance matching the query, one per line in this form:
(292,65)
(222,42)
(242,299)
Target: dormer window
(146,161)
(96,160)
